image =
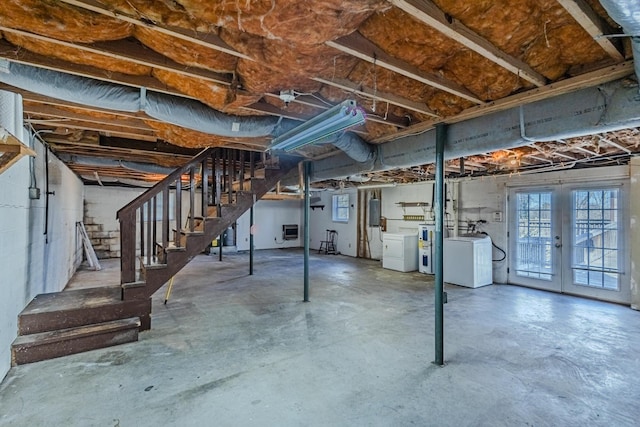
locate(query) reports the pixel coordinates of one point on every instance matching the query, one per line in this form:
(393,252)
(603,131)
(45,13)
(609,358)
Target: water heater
(426,247)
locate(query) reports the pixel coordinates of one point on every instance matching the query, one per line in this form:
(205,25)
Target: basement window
(340,208)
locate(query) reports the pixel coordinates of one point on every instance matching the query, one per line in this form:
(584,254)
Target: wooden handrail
(168,180)
(140,239)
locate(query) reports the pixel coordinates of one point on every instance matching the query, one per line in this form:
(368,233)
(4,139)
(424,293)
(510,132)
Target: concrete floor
(236,350)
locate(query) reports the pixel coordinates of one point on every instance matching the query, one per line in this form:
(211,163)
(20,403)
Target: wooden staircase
(218,185)
(155,244)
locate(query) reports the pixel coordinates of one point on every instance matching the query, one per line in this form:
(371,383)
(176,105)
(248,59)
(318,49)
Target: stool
(329,244)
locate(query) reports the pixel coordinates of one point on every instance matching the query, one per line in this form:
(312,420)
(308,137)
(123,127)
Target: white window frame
(340,205)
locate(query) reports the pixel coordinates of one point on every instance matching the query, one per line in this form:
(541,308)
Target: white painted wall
(102,203)
(479,199)
(269,217)
(30,262)
(321,220)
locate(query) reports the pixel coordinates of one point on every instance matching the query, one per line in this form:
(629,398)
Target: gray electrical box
(374,213)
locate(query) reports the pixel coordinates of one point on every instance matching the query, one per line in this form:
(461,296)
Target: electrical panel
(374,213)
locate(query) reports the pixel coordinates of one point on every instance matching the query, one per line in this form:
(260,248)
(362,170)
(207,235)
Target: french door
(568,238)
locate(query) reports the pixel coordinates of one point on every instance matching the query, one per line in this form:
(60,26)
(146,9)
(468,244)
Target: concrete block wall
(103,228)
(105,242)
(31,261)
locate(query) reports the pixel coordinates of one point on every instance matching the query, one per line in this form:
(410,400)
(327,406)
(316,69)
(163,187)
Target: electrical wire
(504,254)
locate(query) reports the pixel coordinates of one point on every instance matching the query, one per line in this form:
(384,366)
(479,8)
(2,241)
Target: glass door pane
(595,238)
(533,248)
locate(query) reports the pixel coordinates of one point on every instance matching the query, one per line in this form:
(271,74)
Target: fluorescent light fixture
(334,120)
(381,185)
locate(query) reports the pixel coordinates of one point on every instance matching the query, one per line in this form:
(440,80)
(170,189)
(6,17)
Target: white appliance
(468,261)
(426,247)
(400,251)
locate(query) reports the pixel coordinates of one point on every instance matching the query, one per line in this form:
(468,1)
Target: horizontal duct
(606,108)
(178,111)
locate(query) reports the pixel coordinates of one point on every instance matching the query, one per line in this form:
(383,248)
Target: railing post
(225,175)
(178,214)
(205,186)
(165,222)
(241,154)
(230,171)
(128,247)
(149,242)
(142,210)
(214,178)
(154,239)
(192,199)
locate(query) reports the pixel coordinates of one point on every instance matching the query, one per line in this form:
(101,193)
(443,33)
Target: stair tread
(74,299)
(70,333)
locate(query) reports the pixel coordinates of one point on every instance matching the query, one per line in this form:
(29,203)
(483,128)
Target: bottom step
(48,345)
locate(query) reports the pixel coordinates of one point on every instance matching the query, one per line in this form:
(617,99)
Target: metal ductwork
(357,148)
(172,109)
(606,108)
(627,14)
(179,111)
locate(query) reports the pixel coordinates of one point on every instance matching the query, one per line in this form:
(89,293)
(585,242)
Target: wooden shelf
(11,150)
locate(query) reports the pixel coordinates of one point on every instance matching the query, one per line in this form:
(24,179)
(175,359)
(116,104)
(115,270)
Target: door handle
(558,245)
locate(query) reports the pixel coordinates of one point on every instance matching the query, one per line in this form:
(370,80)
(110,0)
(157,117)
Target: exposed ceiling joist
(210,40)
(127,50)
(60,145)
(616,145)
(356,45)
(92,126)
(431,15)
(564,156)
(115,172)
(584,150)
(593,24)
(23,56)
(43,110)
(593,78)
(377,95)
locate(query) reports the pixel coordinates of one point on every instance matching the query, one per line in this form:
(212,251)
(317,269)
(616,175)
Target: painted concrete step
(79,307)
(52,344)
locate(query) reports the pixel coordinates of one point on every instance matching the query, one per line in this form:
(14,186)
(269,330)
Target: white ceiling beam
(428,13)
(209,40)
(356,45)
(593,24)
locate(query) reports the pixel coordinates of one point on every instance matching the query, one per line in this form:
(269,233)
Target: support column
(441,137)
(307,198)
(634,231)
(251,228)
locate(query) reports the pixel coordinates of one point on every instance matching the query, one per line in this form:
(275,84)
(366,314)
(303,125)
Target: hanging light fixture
(336,119)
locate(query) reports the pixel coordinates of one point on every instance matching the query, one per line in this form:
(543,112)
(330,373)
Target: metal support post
(441,137)
(307,179)
(251,238)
